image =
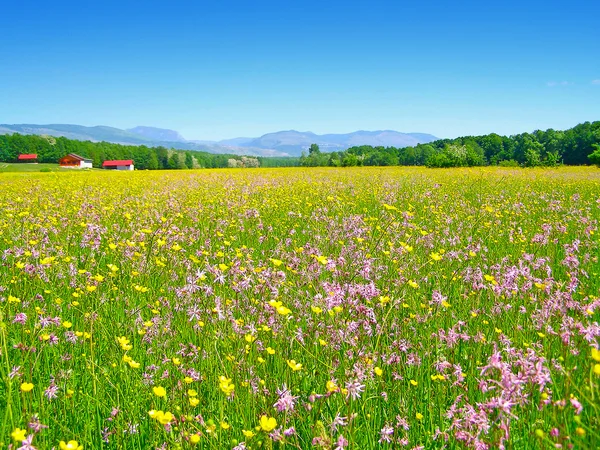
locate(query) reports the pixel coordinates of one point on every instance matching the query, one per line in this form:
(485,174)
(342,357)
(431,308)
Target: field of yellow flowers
(300,308)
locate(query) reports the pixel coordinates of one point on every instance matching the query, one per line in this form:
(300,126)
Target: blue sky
(223,69)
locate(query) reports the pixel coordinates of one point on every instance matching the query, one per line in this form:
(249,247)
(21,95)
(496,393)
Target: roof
(73,156)
(118,162)
(28,156)
(80,158)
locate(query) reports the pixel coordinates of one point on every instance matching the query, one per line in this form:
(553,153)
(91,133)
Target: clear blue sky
(223,69)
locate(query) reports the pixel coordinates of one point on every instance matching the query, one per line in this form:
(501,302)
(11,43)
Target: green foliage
(594,157)
(548,148)
(50,149)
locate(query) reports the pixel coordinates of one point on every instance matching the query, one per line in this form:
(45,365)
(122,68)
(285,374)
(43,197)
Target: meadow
(300,308)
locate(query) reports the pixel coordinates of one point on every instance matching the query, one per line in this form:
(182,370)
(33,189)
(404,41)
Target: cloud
(559,83)
(596,82)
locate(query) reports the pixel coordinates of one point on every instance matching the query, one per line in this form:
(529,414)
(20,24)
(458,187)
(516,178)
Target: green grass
(377,295)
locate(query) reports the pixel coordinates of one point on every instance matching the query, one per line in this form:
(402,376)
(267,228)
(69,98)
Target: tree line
(50,149)
(579,145)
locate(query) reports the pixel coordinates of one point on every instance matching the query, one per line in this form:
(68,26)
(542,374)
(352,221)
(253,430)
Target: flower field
(324,308)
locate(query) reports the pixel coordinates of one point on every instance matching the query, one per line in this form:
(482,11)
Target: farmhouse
(75,161)
(30,158)
(120,164)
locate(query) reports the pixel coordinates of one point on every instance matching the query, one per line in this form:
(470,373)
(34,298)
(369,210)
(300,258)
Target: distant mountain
(157,134)
(281,143)
(294,142)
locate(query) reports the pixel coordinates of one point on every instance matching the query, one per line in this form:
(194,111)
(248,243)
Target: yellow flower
(316,309)
(332,387)
(248,433)
(413,382)
(322,259)
(595,354)
(165,418)
(378,371)
(267,423)
(194,439)
(159,391)
(71,445)
(226,386)
(192,393)
(18,434)
(294,365)
(225,425)
(194,401)
(133,364)
(282,310)
(176,361)
(597,369)
(419,416)
(67,324)
(26,387)
(435,256)
(270,351)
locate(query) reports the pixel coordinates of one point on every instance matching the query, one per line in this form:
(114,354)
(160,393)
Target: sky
(224,69)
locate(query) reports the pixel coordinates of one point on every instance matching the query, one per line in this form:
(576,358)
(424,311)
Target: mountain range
(281,143)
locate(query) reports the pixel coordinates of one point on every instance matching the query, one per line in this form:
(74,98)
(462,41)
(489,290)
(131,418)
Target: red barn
(28,157)
(75,161)
(120,164)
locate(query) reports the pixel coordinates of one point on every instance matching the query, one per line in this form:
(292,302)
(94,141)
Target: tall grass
(321,308)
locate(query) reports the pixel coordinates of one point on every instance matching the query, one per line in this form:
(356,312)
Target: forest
(50,149)
(579,145)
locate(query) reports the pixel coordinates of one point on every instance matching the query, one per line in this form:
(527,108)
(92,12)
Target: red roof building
(75,161)
(27,157)
(119,164)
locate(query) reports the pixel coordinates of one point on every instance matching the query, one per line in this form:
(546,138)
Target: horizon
(220,71)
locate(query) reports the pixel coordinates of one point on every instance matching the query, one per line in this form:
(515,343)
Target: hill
(281,143)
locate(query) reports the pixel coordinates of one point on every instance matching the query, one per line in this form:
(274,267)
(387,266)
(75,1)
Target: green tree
(189,160)
(314,150)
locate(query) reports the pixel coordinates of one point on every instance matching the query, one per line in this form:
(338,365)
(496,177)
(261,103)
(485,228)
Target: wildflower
(194,439)
(18,434)
(248,433)
(378,371)
(595,354)
(282,310)
(413,382)
(419,416)
(322,259)
(159,391)
(133,364)
(286,400)
(226,386)
(267,423)
(194,401)
(294,365)
(435,256)
(71,445)
(26,387)
(386,434)
(354,389)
